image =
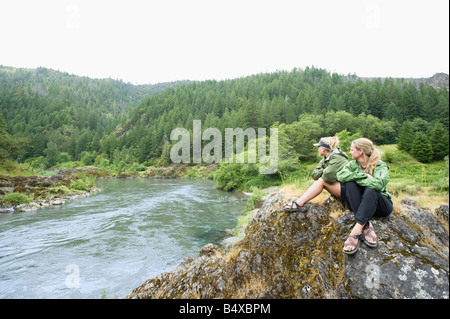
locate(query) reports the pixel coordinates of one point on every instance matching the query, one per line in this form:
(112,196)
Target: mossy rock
(299,255)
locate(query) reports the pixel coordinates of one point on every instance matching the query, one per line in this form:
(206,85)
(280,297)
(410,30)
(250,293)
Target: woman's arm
(317,172)
(350,173)
(335,164)
(380,178)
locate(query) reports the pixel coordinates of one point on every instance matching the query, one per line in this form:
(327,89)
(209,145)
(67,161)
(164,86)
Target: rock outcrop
(300,255)
(439,81)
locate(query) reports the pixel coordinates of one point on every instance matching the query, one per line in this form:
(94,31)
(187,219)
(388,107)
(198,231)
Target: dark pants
(365,202)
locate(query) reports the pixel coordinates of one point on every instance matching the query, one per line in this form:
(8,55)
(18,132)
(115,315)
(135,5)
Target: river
(105,245)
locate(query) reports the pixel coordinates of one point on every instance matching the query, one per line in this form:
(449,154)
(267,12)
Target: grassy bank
(12,168)
(20,185)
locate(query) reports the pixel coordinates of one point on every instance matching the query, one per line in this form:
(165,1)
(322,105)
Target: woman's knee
(320,181)
(332,188)
(352,187)
(370,193)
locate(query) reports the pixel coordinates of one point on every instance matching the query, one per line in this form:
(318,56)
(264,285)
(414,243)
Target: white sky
(158,41)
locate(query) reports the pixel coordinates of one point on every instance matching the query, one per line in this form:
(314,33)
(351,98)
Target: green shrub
(441,183)
(83,182)
(394,156)
(88,158)
(15,199)
(263,181)
(229,176)
(79,185)
(256,197)
(136,167)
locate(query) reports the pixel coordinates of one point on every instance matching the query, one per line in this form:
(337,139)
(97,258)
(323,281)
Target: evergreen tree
(316,107)
(164,159)
(52,154)
(406,137)
(442,109)
(364,104)
(83,144)
(2,125)
(439,141)
(389,132)
(392,112)
(430,101)
(411,104)
(333,103)
(5,140)
(421,148)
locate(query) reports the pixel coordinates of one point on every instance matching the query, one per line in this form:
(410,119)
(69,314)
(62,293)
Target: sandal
(350,242)
(289,208)
(369,232)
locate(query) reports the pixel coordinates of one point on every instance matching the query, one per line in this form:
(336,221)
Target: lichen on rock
(299,255)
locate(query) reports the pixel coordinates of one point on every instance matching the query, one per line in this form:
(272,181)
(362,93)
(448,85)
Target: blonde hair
(331,141)
(368,149)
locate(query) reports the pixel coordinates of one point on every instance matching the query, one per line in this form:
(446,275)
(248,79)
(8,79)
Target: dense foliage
(120,126)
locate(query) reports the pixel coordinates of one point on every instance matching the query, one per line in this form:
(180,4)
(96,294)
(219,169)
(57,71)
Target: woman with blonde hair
(324,174)
(363,190)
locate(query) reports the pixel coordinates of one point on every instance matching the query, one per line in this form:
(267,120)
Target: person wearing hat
(324,174)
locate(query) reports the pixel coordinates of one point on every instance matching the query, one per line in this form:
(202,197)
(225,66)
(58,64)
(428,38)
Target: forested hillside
(52,112)
(109,123)
(303,104)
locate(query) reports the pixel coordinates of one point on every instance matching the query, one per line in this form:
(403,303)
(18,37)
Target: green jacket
(353,172)
(329,166)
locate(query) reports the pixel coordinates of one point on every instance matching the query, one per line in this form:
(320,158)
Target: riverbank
(172,171)
(27,193)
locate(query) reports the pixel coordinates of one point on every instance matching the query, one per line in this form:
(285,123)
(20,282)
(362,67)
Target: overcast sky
(157,41)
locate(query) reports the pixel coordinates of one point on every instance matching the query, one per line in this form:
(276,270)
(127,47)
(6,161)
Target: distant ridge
(438,81)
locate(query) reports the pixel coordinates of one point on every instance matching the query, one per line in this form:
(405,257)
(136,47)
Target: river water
(105,245)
